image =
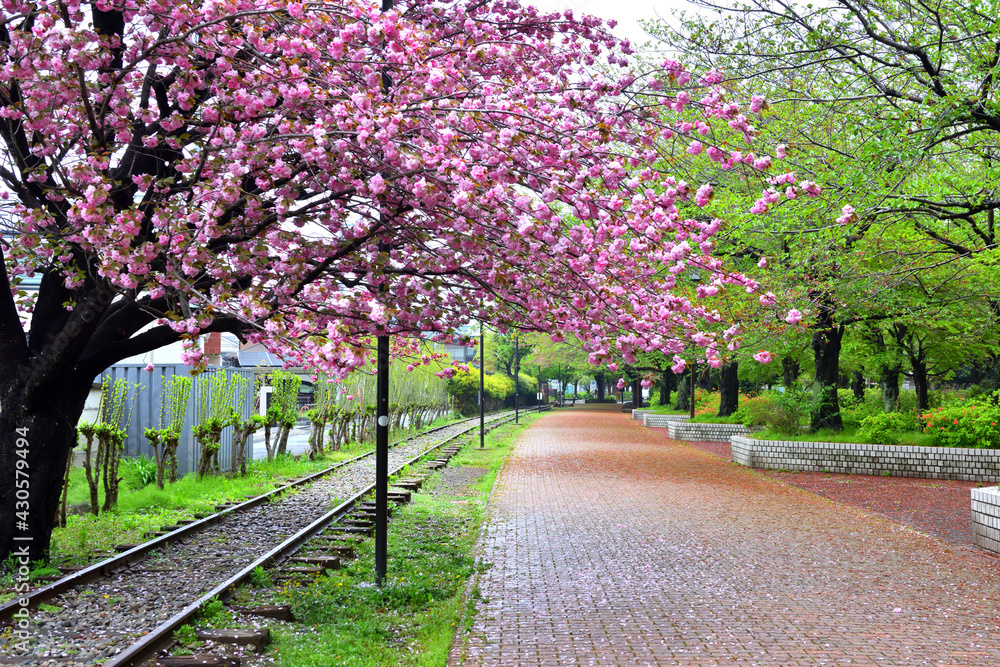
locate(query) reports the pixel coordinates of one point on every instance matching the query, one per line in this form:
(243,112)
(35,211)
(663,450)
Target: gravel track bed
(97,622)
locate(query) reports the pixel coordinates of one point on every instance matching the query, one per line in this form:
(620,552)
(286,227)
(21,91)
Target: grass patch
(410,620)
(666,410)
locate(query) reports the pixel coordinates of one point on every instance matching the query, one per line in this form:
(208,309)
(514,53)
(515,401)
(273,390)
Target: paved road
(612,545)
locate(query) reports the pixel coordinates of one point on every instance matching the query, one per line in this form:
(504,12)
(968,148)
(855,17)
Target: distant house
(258,358)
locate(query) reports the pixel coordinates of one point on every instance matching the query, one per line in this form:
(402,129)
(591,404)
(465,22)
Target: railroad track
(123,610)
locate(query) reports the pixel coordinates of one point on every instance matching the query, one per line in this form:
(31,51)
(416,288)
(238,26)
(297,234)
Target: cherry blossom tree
(310,175)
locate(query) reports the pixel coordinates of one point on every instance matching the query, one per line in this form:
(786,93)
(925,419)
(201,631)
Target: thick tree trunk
(858,386)
(41,436)
(789,371)
(889,384)
(666,386)
(826,350)
(599,377)
(637,392)
(919,368)
(729,388)
(684,392)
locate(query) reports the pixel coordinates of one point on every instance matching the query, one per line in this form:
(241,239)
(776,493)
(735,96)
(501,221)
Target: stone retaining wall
(986,518)
(638,413)
(662,421)
(978,465)
(696,432)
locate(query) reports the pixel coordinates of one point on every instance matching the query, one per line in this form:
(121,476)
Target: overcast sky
(626,12)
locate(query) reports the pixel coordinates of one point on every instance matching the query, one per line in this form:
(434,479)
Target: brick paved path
(614,546)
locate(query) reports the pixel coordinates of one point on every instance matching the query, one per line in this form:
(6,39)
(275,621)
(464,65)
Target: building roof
(255,356)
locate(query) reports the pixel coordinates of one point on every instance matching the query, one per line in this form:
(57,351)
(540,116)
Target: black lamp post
(517,371)
(482,394)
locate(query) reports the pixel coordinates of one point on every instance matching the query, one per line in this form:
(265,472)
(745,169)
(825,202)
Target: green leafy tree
(175,393)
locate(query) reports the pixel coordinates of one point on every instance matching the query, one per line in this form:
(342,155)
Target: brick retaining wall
(978,465)
(638,413)
(696,432)
(661,421)
(986,518)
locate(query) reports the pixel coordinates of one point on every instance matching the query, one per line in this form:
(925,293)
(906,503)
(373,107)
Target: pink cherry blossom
(793,316)
(763,357)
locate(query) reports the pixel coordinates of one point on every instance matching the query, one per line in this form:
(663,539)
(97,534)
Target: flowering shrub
(976,425)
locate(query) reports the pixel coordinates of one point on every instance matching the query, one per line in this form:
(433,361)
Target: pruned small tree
(243,429)
(282,411)
(324,403)
(215,411)
(174,398)
(109,429)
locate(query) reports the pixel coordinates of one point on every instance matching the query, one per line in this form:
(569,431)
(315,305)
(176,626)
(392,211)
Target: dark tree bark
(705,380)
(45,378)
(858,386)
(599,377)
(684,392)
(920,383)
(729,388)
(667,380)
(637,392)
(913,345)
(826,351)
(789,371)
(889,384)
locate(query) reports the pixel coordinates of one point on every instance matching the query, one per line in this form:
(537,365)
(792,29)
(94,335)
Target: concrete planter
(978,465)
(679,430)
(986,518)
(661,421)
(638,413)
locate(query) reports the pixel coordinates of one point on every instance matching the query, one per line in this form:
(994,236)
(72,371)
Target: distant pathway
(612,545)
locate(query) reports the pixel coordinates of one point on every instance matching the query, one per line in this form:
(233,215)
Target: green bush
(138,472)
(884,428)
(853,411)
(781,412)
(464,386)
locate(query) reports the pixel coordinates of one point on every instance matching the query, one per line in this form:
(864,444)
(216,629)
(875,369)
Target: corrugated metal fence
(146,411)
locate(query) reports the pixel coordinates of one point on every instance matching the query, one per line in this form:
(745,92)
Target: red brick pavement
(611,545)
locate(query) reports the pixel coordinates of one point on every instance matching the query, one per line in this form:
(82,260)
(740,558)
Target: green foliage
(185,635)
(853,412)
(138,472)
(284,405)
(780,412)
(464,386)
(214,614)
(260,578)
(884,428)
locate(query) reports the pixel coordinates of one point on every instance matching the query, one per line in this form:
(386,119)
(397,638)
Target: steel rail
(109,566)
(161,637)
